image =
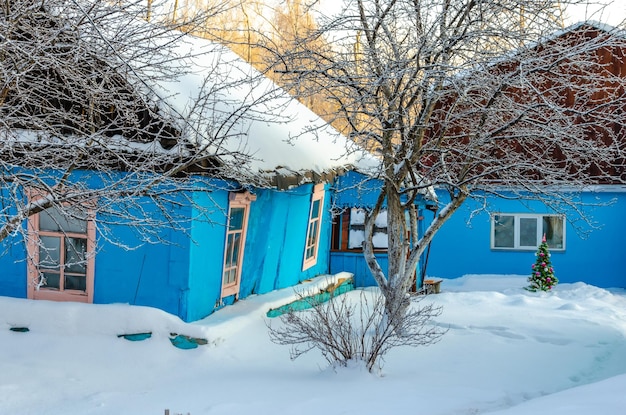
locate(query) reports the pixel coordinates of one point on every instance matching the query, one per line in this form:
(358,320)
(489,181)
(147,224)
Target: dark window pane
(66,220)
(230,276)
(236,245)
(235,221)
(504,231)
(50,252)
(231,262)
(315,210)
(75,282)
(553,230)
(51,280)
(49,220)
(228,261)
(311,240)
(528,232)
(75,254)
(312,233)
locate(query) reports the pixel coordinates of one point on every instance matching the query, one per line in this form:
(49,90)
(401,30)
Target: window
(525,231)
(357,229)
(61,248)
(238,211)
(313,229)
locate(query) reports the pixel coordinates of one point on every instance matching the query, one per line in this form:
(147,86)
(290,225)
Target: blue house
(504,241)
(241,229)
(255,241)
(501,235)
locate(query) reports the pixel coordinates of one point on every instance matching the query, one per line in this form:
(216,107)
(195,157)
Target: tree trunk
(403,257)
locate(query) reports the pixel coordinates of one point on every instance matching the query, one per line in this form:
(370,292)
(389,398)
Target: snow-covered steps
(305,301)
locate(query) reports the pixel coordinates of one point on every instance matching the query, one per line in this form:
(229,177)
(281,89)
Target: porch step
(342,285)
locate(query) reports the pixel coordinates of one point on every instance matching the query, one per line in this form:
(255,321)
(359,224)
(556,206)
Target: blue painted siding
(355,189)
(150,274)
(153,274)
(184,275)
(594,256)
(354,262)
(276,239)
(12,257)
(206,253)
(13,267)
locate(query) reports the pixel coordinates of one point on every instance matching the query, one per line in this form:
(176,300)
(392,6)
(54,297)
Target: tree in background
(542,277)
(258,32)
(230,22)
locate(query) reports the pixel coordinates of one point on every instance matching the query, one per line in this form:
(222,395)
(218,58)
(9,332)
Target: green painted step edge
(20,329)
(186,342)
(135,337)
(308,302)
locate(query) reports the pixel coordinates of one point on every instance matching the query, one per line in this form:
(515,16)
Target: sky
(507,351)
(614,13)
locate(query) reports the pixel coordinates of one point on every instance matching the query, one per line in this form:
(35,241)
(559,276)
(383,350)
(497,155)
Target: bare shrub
(359,329)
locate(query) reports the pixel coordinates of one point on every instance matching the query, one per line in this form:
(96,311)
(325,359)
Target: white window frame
(517,218)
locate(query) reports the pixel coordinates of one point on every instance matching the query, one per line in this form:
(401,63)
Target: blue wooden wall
(150,274)
(127,268)
(12,256)
(184,276)
(596,257)
(206,253)
(13,267)
(274,249)
(276,240)
(354,262)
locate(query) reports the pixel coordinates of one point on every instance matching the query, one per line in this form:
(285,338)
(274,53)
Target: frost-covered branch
(96,110)
(356,328)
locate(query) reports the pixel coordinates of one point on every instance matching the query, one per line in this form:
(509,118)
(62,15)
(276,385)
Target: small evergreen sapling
(542,276)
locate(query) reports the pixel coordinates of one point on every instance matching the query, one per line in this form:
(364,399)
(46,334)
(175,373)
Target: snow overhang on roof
(244,112)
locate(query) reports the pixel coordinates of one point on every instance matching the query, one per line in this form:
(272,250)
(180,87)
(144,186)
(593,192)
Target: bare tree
(347,329)
(91,115)
(469,97)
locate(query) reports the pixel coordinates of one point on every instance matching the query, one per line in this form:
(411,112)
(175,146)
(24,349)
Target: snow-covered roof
(243,111)
(233,121)
(603,27)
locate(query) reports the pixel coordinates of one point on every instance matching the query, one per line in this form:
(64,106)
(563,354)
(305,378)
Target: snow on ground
(507,352)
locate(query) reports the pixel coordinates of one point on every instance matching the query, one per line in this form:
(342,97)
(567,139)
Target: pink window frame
(38,293)
(236,200)
(312,241)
